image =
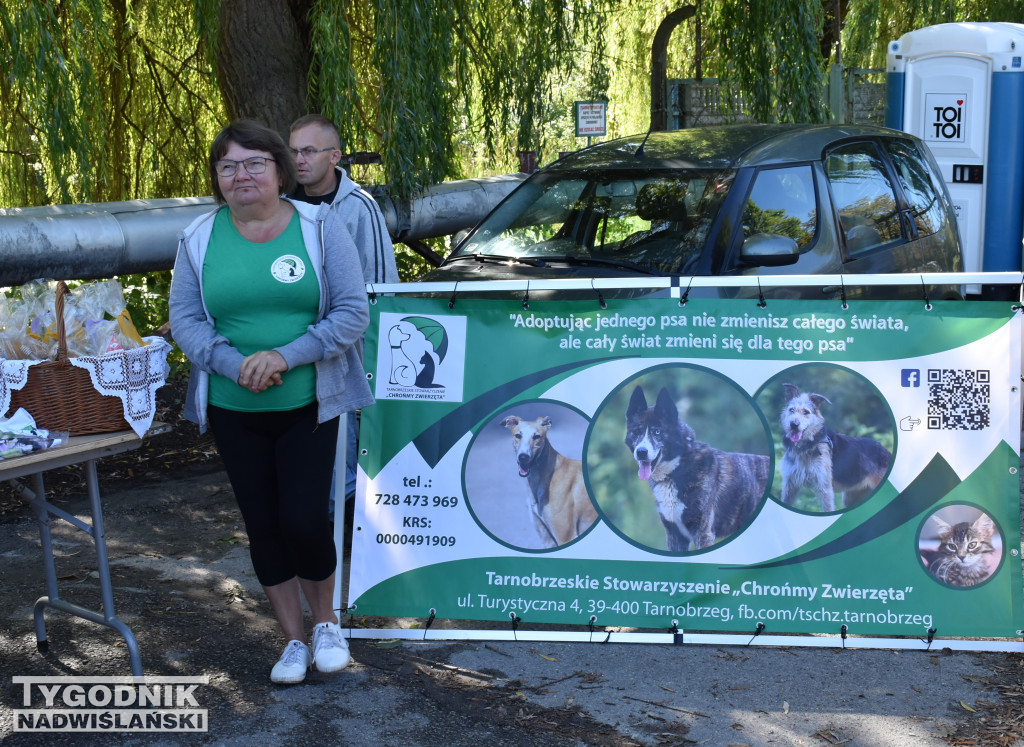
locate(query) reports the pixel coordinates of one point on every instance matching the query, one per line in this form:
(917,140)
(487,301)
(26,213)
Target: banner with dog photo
(710,466)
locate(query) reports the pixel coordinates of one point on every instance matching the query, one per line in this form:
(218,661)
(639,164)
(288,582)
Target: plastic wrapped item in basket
(86,394)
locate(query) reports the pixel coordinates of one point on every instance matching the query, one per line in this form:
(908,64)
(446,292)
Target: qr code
(958,399)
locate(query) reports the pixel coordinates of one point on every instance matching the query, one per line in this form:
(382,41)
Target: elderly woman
(268,303)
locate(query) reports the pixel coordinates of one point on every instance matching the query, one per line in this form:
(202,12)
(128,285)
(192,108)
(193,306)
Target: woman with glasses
(268,303)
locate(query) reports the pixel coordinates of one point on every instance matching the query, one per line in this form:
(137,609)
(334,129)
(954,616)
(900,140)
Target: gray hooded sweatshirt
(365,222)
(332,343)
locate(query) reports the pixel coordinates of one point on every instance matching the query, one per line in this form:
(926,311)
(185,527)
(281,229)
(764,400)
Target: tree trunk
(262,61)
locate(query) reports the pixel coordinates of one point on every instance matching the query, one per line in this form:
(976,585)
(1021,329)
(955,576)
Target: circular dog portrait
(960,546)
(834,437)
(523,477)
(678,459)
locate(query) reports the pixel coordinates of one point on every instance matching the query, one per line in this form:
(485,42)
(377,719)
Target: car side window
(864,198)
(782,202)
(919,187)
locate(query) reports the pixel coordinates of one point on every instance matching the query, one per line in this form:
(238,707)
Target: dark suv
(794,199)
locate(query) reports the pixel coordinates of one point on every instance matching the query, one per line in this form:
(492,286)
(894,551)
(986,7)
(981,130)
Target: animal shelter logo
(421,357)
(288,269)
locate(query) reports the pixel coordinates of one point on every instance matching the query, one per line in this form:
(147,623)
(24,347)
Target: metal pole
(659,65)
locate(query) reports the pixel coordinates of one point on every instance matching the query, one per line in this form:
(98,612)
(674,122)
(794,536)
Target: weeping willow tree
(103,100)
(871,24)
(431,84)
(117,99)
(769,51)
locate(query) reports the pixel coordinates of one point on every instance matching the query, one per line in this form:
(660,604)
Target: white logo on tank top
(288,269)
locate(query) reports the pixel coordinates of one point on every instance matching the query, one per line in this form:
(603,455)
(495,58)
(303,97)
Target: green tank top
(261,296)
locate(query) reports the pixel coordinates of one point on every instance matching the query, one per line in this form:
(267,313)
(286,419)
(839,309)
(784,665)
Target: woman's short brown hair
(252,135)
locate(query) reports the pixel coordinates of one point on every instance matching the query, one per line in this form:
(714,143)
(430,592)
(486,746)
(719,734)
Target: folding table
(84,450)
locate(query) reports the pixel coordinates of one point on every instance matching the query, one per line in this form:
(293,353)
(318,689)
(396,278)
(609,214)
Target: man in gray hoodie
(315,144)
(317,149)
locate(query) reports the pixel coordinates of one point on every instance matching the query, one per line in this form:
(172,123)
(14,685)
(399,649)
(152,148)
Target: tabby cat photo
(967,553)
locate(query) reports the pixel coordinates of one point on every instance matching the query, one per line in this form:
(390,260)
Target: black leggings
(280,466)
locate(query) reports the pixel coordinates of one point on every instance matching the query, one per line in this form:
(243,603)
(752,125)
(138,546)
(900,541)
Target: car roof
(718,147)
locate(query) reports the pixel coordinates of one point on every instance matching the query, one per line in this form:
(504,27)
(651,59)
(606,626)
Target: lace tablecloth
(133,376)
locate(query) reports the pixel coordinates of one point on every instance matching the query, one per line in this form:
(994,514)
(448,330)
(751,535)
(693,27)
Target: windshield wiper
(573,259)
(499,259)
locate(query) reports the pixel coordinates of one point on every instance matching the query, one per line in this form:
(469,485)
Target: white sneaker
(330,649)
(291,668)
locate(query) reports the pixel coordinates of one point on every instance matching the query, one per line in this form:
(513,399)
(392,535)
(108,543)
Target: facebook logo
(910,377)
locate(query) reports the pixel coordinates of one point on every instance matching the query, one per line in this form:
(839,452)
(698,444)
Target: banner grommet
(757,631)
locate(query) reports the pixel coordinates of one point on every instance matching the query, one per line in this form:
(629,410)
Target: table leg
(103,565)
(39,505)
(53,600)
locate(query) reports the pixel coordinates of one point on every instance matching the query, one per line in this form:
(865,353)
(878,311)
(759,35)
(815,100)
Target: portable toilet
(960,88)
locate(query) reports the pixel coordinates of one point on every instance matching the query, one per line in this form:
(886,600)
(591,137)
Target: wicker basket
(61,397)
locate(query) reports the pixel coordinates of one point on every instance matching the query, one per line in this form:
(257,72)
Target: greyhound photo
(559,504)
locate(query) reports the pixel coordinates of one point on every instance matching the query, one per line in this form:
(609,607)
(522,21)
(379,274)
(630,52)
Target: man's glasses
(309,151)
(254,165)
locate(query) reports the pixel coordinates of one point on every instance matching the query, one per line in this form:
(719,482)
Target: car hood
(468,270)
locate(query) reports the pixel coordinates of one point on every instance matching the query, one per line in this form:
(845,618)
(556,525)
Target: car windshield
(652,222)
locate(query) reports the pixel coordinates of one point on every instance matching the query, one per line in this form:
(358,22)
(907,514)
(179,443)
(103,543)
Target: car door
(866,210)
(784,201)
(927,210)
(891,217)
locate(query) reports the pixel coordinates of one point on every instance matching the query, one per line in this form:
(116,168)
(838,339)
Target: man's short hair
(315,119)
(252,135)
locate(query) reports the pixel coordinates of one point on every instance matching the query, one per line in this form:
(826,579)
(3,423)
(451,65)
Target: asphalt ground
(183,582)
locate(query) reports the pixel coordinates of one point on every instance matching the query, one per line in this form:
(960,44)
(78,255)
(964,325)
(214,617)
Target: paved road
(625,694)
(184,583)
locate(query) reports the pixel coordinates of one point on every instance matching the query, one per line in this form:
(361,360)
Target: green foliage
(769,51)
(105,101)
(416,103)
(50,87)
(871,24)
(206,21)
(145,297)
(431,85)
(118,99)
(334,81)
(411,265)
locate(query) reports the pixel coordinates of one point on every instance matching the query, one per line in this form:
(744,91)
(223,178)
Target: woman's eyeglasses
(254,165)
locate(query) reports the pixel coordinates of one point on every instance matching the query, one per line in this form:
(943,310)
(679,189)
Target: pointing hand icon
(908,423)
